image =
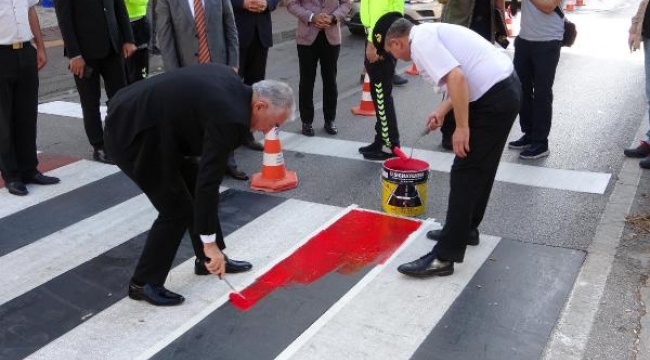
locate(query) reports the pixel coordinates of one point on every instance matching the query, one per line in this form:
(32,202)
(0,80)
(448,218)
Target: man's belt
(15,46)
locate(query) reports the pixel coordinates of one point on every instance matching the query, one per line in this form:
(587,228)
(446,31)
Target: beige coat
(637,26)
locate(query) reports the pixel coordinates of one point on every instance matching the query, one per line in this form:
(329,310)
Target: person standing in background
(537,53)
(318,38)
(137,66)
(255,32)
(97,38)
(19,66)
(197,32)
(640,33)
(381,69)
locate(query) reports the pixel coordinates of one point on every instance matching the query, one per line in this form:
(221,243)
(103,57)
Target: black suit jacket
(92,28)
(248,22)
(199,110)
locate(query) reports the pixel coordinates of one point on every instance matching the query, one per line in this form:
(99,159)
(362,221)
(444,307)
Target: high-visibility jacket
(371,10)
(136,8)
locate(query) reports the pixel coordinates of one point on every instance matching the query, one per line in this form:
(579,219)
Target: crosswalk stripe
(392,314)
(34,264)
(145,329)
(66,108)
(74,176)
(543,177)
(570,180)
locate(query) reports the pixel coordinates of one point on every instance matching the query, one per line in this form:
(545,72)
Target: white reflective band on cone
(273,159)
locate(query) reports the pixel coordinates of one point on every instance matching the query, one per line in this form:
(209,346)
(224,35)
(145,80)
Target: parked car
(418,11)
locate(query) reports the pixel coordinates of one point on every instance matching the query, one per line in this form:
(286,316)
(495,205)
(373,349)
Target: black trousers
(111,69)
(381,74)
(535,63)
(137,65)
(252,61)
(308,58)
(169,185)
(471,179)
(18,112)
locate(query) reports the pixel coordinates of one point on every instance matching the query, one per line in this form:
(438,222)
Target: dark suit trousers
(18,112)
(471,179)
(308,58)
(111,69)
(169,184)
(381,74)
(252,61)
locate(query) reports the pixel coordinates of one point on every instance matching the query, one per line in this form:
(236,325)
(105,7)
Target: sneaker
(520,144)
(645,163)
(640,151)
(535,152)
(382,153)
(399,80)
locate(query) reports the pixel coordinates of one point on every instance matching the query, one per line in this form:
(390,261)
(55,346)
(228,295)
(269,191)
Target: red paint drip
(357,240)
(410,164)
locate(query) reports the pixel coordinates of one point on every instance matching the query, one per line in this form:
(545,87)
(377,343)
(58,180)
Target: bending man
(172,135)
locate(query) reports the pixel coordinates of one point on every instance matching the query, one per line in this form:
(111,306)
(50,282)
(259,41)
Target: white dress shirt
(14,21)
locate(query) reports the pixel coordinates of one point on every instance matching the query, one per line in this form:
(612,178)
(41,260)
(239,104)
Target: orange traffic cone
(274,176)
(366,107)
(413,70)
(580,3)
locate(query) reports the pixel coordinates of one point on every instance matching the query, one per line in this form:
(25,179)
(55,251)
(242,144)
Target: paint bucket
(404,186)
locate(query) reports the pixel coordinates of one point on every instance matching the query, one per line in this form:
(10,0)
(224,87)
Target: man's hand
(321,20)
(128,49)
(256,6)
(435,120)
(41,58)
(630,41)
(77,66)
(235,69)
(371,53)
(217,263)
(460,141)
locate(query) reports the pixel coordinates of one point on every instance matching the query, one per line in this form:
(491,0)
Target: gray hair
(278,94)
(399,28)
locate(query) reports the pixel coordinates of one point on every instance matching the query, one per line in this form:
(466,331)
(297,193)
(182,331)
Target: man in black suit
(97,37)
(255,31)
(172,134)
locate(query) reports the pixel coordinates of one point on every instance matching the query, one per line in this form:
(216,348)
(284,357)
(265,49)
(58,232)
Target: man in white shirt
(19,65)
(484,93)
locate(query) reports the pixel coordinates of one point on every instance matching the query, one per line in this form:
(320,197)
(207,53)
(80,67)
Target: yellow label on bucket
(405,199)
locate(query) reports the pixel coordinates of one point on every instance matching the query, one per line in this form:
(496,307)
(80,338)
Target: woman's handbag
(570,31)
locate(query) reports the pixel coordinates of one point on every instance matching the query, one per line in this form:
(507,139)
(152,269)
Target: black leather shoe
(41,179)
(373,147)
(427,265)
(399,80)
(17,188)
(236,173)
(101,156)
(253,145)
(640,151)
(307,129)
(154,295)
(232,266)
(472,240)
(330,128)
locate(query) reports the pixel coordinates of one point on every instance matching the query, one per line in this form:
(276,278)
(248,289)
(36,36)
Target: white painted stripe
(66,108)
(72,176)
(144,329)
(370,321)
(570,180)
(38,262)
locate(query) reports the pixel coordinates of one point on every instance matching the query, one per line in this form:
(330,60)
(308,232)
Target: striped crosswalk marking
(64,283)
(542,177)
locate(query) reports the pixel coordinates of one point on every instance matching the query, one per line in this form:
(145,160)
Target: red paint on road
(357,240)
